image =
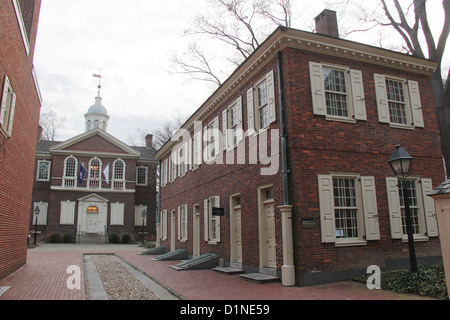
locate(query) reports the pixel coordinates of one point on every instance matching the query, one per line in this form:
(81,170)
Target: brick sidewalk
(44,277)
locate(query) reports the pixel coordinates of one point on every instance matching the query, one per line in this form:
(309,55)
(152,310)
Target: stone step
(259,277)
(228,270)
(92,238)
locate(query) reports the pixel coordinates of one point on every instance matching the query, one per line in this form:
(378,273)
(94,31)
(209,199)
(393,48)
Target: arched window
(95,169)
(70,172)
(92,209)
(118,179)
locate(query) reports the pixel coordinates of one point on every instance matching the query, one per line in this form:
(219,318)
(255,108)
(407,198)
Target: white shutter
(206,219)
(271,97)
(117,213)
(317,89)
(326,202)
(11,113)
(165,224)
(197,149)
(240,130)
(416,106)
(42,217)
(429,209)
(217,219)
(190,153)
(6,86)
(395,213)
(359,102)
(382,101)
(67,212)
(205,143)
(250,112)
(185,222)
(225,129)
(370,208)
(179,223)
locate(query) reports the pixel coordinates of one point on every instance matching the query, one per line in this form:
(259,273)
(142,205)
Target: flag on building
(81,173)
(106,173)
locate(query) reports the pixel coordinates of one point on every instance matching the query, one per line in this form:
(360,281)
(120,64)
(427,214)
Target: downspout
(288,268)
(158,208)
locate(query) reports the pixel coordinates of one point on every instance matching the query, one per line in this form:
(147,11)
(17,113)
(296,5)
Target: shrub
(67,238)
(54,238)
(114,238)
(126,238)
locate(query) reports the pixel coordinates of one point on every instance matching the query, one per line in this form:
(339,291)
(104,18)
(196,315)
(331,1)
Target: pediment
(96,142)
(93,198)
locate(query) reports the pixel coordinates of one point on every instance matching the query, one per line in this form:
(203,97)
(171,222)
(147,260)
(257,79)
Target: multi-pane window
(234,123)
(94,173)
(413,206)
(43,173)
(345,208)
(70,167)
(335,92)
(213,139)
(141,175)
(396,100)
(183,223)
(118,182)
(7,107)
(262,107)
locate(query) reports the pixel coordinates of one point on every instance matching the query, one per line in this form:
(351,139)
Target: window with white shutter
(117,213)
(337,92)
(422,211)
(398,101)
(183,223)
(67,212)
(348,209)
(232,124)
(261,104)
(42,216)
(7,108)
(211,222)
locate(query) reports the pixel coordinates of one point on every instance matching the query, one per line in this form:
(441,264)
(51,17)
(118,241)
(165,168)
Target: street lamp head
(400,162)
(36,210)
(144,213)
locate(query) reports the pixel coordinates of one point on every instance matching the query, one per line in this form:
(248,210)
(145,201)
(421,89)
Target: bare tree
(240,25)
(50,124)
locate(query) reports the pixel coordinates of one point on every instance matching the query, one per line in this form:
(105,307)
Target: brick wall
(17,152)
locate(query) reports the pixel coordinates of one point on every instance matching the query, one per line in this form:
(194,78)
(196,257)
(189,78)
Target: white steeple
(97,116)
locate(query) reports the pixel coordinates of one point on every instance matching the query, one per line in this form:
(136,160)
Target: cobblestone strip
(120,281)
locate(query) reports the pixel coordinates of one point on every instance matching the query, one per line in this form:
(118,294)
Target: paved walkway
(44,277)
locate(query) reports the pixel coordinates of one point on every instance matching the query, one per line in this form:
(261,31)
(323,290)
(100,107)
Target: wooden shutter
(250,112)
(217,218)
(382,101)
(395,213)
(359,103)
(271,97)
(206,219)
(179,223)
(225,128)
(67,212)
(429,209)
(416,106)
(240,130)
(326,202)
(369,198)
(317,89)
(6,86)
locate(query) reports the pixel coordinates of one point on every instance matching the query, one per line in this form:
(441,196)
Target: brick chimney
(149,140)
(326,23)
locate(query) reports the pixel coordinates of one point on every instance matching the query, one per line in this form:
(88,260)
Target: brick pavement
(44,277)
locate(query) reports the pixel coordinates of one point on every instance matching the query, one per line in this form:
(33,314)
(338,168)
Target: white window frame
(356,106)
(232,132)
(211,223)
(367,214)
(163,224)
(197,150)
(118,183)
(95,179)
(20,21)
(427,221)
(47,171)
(413,105)
(253,107)
(211,136)
(70,181)
(138,169)
(7,108)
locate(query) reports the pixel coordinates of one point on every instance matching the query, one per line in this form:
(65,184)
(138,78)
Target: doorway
(236,230)
(196,230)
(267,239)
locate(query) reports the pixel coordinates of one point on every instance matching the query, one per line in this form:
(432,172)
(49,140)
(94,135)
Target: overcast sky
(130,43)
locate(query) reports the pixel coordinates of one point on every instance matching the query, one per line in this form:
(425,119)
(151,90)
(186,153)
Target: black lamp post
(400,162)
(144,214)
(36,213)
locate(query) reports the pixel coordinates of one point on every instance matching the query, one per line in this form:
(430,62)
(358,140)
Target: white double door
(92,215)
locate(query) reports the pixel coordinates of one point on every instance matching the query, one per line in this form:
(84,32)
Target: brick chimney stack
(326,23)
(149,140)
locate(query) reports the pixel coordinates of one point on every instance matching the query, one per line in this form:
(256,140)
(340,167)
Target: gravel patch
(119,284)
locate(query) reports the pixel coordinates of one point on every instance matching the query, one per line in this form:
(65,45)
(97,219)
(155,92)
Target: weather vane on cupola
(99,76)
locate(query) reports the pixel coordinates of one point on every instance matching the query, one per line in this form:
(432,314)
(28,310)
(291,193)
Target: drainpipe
(158,208)
(288,268)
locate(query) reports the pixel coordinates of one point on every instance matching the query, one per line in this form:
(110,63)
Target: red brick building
(293,150)
(93,185)
(20,104)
